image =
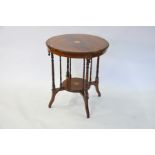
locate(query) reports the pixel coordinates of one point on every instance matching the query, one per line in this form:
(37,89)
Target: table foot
(97,89)
(86,104)
(54,92)
(96,84)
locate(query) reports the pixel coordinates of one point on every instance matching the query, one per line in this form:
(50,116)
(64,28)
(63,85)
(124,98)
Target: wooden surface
(77,45)
(73,84)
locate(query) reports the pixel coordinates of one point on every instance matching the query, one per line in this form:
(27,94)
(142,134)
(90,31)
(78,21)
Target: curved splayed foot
(97,89)
(86,103)
(54,92)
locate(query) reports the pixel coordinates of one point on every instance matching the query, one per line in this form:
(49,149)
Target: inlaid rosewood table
(80,46)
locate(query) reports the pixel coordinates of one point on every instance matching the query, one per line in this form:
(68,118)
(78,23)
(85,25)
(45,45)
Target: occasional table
(79,46)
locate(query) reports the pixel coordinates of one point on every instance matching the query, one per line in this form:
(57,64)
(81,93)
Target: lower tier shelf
(74,84)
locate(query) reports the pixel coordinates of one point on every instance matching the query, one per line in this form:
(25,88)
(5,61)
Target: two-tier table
(79,46)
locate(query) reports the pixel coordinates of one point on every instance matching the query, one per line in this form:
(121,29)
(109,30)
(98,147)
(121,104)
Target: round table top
(77,45)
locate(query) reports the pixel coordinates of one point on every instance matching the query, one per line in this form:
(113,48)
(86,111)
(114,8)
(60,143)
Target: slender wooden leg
(86,103)
(97,88)
(97,78)
(86,90)
(54,92)
(90,77)
(70,74)
(83,76)
(53,76)
(53,82)
(60,72)
(67,73)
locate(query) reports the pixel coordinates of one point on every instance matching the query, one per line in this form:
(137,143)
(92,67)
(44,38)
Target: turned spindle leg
(83,76)
(54,91)
(67,73)
(60,72)
(90,76)
(97,77)
(70,75)
(53,74)
(86,90)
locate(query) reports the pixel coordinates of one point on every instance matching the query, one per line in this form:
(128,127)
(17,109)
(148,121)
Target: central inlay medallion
(76,83)
(76,41)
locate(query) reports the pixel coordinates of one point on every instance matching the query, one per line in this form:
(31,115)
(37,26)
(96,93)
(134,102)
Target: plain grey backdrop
(127,80)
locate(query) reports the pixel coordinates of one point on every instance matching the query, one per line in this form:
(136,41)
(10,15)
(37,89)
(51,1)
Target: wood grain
(77,45)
